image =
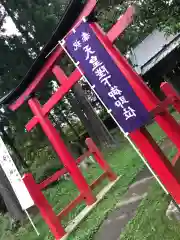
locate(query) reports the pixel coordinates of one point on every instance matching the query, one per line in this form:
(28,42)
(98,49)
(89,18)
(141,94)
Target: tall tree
(150,15)
(36,21)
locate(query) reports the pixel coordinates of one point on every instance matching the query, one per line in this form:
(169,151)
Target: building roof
(71,13)
(152,50)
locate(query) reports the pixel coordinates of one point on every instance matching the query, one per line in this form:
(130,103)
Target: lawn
(123,161)
(150,222)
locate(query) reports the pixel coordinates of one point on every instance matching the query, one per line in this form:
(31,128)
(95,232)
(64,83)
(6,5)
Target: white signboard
(14,177)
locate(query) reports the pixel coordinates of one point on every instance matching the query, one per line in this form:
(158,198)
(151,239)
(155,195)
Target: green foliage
(47,172)
(35,21)
(42,162)
(150,14)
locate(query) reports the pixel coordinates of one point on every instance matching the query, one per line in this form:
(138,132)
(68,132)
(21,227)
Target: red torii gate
(141,137)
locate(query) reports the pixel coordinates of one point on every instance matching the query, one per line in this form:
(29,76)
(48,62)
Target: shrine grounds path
(149,223)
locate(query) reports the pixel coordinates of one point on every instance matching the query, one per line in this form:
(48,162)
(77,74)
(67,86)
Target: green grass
(90,226)
(124,162)
(150,222)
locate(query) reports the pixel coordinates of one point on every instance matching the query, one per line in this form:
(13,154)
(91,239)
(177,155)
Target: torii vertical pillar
(150,101)
(62,151)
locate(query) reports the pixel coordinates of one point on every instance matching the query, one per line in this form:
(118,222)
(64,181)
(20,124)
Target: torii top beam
(43,64)
(75,9)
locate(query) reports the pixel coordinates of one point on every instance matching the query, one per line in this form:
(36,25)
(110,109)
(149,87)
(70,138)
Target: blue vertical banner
(106,78)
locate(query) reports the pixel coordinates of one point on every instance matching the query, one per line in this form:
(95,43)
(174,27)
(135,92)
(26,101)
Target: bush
(46,172)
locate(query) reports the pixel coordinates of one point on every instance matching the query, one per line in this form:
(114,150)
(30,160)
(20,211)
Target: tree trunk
(10,199)
(19,159)
(70,125)
(83,117)
(97,125)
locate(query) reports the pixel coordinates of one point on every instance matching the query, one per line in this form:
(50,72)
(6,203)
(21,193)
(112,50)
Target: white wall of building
(148,48)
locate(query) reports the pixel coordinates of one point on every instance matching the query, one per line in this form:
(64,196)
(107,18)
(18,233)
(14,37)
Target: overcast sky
(10,27)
